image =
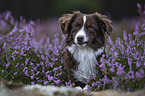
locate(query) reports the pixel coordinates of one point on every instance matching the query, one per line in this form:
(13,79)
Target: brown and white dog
(84,44)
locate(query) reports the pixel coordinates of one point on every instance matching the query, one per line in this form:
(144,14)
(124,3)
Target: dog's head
(85,29)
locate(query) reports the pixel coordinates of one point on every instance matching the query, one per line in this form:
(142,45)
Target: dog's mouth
(82,43)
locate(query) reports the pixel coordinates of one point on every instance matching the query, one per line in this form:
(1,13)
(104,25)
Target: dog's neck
(86,59)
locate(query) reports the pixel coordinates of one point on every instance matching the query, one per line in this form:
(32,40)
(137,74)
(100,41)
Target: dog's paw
(79,88)
(86,88)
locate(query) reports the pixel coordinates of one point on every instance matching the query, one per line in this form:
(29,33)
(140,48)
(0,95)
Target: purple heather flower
(112,69)
(69,84)
(25,69)
(141,71)
(31,63)
(115,54)
(13,58)
(59,74)
(125,36)
(32,83)
(50,78)
(17,65)
(32,70)
(120,70)
(102,66)
(138,64)
(55,69)
(37,78)
(14,30)
(17,47)
(32,77)
(111,42)
(45,82)
(43,70)
(35,68)
(16,52)
(143,33)
(26,61)
(21,30)
(115,82)
(37,72)
(7,15)
(2,71)
(42,56)
(42,63)
(93,84)
(26,72)
(7,64)
(129,62)
(144,63)
(130,74)
(38,65)
(142,58)
(57,81)
(29,48)
(22,52)
(94,75)
(138,75)
(40,52)
(10,82)
(4,45)
(15,73)
(138,5)
(136,30)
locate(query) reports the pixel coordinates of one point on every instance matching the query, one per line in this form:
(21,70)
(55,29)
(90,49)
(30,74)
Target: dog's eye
(75,28)
(90,28)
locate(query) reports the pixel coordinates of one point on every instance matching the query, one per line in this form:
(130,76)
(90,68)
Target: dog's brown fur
(67,22)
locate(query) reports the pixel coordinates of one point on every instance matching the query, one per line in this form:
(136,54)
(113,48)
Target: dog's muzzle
(80,41)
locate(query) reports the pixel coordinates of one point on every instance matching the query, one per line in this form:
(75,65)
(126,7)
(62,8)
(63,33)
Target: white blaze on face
(82,32)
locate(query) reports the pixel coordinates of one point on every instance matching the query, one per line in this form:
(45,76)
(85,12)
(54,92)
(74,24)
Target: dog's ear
(65,21)
(105,23)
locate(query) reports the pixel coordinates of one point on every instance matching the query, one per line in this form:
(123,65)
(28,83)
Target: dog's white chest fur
(86,58)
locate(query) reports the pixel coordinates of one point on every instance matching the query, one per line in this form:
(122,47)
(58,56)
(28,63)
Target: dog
(84,44)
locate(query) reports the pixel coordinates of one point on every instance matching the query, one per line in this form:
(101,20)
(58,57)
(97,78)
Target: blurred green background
(43,9)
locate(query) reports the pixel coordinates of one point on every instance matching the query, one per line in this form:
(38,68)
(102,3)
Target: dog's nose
(80,38)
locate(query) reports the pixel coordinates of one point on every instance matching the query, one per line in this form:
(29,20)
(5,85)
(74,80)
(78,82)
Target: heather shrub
(24,60)
(123,66)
